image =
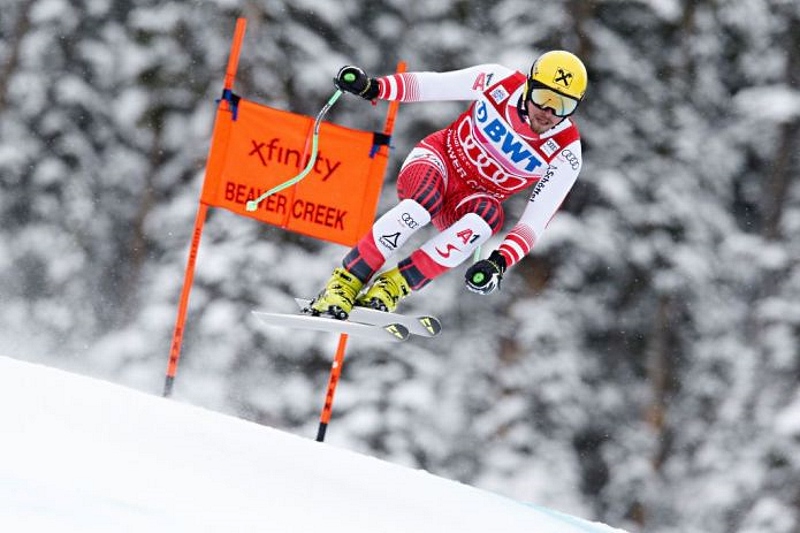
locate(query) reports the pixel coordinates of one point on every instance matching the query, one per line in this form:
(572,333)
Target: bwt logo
(487,168)
(505,140)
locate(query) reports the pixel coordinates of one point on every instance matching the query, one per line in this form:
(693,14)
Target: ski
(422,325)
(392,331)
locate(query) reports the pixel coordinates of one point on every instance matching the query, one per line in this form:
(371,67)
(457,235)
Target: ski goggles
(545,98)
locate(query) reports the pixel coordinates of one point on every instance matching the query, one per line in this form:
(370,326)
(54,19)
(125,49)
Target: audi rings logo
(409,221)
(571,158)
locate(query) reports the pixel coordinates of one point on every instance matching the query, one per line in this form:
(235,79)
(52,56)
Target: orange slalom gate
(255,148)
(262,148)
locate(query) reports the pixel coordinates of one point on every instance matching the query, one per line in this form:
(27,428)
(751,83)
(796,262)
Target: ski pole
(476,255)
(252,205)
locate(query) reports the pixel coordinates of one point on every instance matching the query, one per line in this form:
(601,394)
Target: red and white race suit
(469,168)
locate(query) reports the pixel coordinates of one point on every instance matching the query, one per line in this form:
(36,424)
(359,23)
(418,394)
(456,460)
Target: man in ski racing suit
(517,134)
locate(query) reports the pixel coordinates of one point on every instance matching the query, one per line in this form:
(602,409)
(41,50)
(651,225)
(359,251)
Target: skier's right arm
(465,84)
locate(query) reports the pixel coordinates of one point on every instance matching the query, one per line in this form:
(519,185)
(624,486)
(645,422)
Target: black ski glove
(353,80)
(484,276)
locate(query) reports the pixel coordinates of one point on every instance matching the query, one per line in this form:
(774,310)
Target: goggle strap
(531,84)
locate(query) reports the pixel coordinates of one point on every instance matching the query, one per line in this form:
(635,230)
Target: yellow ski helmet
(558,81)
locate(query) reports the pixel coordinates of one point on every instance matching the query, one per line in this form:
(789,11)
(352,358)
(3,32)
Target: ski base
(422,325)
(390,331)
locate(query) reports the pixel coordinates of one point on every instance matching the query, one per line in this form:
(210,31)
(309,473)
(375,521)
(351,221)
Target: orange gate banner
(255,148)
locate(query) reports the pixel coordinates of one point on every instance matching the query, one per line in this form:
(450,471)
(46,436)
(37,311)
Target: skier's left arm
(465,84)
(545,199)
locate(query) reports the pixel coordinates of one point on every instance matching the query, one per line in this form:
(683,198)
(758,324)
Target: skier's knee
(488,208)
(422,182)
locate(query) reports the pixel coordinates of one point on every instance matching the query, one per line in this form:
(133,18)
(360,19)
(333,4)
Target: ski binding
(422,325)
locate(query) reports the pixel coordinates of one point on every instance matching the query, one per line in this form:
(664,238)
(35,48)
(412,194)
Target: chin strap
(522,110)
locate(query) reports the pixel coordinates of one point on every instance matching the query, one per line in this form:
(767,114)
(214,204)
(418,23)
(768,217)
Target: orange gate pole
(338,360)
(336,370)
(177,335)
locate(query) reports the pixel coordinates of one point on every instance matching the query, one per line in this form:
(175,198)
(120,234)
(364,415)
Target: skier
(516,134)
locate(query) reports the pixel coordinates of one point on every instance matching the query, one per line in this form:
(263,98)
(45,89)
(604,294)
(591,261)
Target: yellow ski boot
(338,297)
(386,291)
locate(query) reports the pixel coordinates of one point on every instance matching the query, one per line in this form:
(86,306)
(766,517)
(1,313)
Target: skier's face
(541,119)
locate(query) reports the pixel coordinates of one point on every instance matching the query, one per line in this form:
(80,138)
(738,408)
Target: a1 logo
(467,236)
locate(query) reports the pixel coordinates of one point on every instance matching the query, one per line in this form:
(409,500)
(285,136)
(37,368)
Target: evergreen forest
(640,368)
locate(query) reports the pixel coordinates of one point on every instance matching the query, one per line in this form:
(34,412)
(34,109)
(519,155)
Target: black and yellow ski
(390,331)
(422,325)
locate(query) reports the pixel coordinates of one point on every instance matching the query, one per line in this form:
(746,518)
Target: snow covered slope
(82,455)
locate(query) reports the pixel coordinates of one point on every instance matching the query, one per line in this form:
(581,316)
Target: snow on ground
(82,455)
